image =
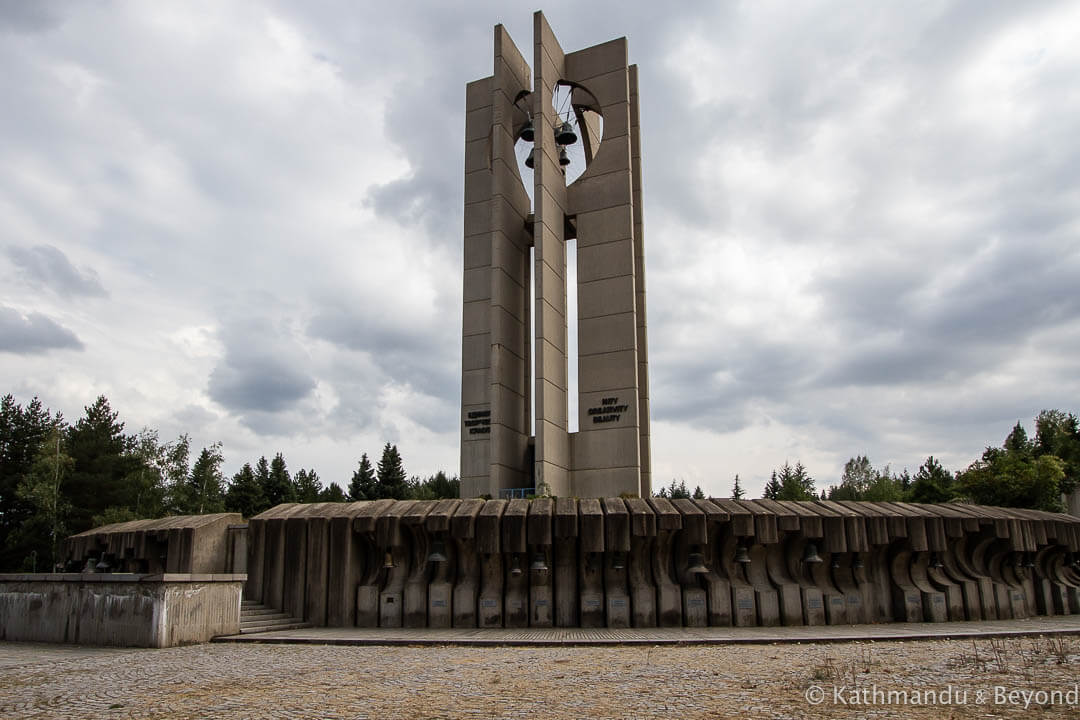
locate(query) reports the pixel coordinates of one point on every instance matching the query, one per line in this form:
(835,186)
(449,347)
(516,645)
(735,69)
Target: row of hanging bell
(564,135)
(564,159)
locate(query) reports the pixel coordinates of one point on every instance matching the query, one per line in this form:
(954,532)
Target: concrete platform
(1059,624)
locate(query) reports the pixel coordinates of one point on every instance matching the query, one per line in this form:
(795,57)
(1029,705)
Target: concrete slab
(1057,625)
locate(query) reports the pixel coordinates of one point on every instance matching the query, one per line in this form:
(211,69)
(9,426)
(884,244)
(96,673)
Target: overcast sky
(243,221)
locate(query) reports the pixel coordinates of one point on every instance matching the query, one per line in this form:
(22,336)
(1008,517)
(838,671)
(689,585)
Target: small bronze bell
(742,555)
(515,567)
(564,159)
(539,564)
(388,561)
(810,554)
(528,133)
(697,563)
(565,135)
(438,552)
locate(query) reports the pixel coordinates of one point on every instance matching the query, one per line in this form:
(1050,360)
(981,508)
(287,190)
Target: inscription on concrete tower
(515,432)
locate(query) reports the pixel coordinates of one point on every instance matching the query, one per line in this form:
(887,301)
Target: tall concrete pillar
(609,454)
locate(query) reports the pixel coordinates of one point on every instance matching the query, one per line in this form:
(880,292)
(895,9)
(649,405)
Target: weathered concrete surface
(178,544)
(120,610)
(619,563)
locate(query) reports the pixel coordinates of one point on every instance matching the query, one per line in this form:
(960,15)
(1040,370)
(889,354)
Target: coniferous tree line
(57,479)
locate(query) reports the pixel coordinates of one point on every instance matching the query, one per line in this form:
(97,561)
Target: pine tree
(307,486)
(736,490)
(333,493)
(278,487)
(101,478)
(933,483)
(22,432)
(698,493)
(391,481)
(362,485)
(772,488)
(792,483)
(437,487)
(245,494)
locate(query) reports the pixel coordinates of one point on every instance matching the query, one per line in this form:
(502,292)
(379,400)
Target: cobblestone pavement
(716,681)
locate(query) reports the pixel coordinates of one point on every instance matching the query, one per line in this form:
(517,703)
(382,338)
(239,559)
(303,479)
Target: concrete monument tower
(514,381)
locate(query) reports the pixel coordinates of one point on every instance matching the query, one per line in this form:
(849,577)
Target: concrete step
(271,620)
(294,625)
(265,619)
(256,612)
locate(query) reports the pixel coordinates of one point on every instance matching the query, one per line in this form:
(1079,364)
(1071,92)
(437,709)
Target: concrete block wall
(119,609)
(616,562)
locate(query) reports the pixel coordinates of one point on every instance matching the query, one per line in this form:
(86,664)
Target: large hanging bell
(742,555)
(438,552)
(530,162)
(539,563)
(564,159)
(528,133)
(696,562)
(810,553)
(565,135)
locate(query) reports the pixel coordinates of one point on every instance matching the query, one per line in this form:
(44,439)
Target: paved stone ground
(229,680)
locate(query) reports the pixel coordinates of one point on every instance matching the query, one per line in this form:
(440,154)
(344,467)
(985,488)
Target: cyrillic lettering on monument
(478,422)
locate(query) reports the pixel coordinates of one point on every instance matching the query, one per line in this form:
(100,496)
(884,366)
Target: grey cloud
(261,371)
(405,354)
(1006,293)
(33,333)
(715,381)
(34,16)
(49,266)
(415,121)
(253,382)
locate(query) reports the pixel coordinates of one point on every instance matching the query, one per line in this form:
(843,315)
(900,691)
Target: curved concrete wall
(643,563)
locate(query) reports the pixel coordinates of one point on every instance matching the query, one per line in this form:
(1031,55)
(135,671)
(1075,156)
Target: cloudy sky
(243,221)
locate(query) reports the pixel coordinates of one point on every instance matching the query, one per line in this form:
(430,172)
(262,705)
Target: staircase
(256,618)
